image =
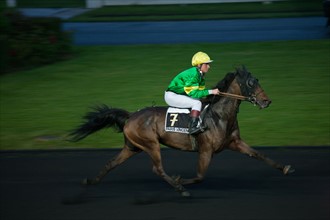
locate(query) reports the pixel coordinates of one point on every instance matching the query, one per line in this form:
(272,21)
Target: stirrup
(195,130)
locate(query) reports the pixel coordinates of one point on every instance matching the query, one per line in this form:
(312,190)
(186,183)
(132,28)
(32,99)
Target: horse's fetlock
(177,179)
(199,179)
(179,188)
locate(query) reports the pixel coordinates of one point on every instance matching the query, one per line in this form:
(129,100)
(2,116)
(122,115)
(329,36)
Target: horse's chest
(226,128)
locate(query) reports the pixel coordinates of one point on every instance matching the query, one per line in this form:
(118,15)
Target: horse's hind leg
(123,155)
(242,147)
(159,170)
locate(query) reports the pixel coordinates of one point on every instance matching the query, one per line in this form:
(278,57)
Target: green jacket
(190,83)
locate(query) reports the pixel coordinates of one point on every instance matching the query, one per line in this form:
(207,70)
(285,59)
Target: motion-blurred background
(60,57)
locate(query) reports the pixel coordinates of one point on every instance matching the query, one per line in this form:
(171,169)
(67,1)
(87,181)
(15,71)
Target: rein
(239,97)
(251,99)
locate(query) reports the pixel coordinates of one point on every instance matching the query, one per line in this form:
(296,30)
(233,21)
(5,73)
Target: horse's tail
(101,117)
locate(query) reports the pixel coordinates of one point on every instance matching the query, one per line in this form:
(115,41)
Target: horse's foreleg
(242,147)
(124,154)
(203,164)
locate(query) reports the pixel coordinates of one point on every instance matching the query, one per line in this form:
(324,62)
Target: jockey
(188,87)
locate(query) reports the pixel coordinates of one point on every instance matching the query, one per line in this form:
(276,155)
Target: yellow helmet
(200,58)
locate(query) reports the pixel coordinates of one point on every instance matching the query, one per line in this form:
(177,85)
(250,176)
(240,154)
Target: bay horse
(144,130)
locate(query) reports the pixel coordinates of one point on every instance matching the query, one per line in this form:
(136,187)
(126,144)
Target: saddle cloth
(177,120)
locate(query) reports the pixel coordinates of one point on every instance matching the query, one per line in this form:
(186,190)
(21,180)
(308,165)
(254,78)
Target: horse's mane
(224,84)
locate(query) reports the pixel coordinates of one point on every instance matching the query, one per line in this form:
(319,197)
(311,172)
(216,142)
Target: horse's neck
(227,107)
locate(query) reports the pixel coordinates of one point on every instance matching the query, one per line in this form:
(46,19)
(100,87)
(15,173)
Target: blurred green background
(39,106)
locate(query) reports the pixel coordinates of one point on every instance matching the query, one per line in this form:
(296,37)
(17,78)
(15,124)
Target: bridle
(250,85)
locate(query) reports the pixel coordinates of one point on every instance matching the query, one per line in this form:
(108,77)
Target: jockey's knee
(197,105)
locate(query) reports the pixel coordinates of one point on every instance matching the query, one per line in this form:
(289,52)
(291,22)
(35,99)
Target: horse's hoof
(185,194)
(288,169)
(86,182)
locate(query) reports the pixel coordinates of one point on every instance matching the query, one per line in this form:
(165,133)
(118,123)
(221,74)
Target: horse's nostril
(267,102)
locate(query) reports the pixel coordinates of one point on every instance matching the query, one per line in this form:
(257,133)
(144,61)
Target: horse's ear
(245,69)
(241,70)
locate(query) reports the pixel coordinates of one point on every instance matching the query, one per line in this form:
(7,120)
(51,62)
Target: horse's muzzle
(264,103)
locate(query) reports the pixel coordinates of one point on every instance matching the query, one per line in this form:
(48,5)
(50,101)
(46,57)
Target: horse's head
(251,88)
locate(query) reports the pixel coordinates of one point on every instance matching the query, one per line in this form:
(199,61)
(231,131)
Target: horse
(144,130)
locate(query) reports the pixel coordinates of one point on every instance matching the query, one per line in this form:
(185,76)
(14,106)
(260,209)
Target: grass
(50,100)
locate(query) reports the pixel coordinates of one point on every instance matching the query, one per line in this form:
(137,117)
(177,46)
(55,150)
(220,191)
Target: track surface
(45,185)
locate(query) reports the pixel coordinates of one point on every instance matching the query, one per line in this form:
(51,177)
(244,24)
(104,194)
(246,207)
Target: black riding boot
(193,127)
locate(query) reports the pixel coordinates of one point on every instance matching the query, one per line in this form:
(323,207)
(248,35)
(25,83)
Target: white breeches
(182,101)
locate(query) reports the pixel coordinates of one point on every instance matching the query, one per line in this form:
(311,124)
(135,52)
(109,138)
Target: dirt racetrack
(45,185)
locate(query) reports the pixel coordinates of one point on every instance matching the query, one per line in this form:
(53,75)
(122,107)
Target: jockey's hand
(215,91)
